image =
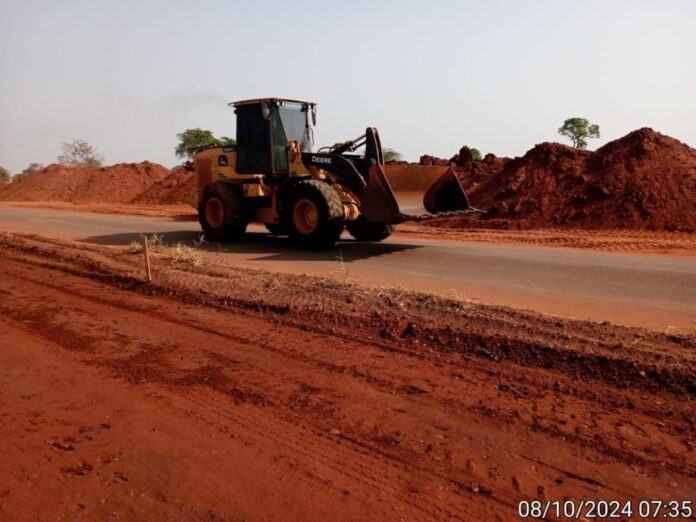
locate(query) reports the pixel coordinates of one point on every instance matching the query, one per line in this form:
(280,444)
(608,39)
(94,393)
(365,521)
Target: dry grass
(341,274)
(155,243)
(135,247)
(187,255)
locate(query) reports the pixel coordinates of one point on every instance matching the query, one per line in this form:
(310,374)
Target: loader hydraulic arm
(371,141)
(390,194)
(347,171)
(347,146)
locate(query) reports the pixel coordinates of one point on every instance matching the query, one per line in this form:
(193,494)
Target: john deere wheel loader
(271,176)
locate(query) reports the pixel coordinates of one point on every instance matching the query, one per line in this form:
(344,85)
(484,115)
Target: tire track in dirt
(294,443)
(489,332)
(410,417)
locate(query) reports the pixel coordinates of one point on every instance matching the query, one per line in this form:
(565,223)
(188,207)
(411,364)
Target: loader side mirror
(266,110)
(314,115)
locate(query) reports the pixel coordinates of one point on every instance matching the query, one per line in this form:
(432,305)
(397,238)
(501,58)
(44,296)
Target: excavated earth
(643,181)
(175,188)
(120,183)
(219,393)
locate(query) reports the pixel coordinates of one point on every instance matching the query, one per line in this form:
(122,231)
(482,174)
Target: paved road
(645,290)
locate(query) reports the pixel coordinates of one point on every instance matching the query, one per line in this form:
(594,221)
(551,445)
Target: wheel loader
(272,176)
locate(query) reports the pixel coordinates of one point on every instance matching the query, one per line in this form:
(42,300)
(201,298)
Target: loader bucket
(397,193)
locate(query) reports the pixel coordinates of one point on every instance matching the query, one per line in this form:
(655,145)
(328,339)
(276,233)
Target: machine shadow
(266,246)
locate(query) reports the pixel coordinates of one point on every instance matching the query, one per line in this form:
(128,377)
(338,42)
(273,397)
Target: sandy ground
(638,241)
(220,393)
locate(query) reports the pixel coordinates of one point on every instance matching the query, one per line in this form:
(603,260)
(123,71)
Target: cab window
(253,141)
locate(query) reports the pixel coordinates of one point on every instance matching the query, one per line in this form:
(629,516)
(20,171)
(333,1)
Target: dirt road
(343,403)
(652,291)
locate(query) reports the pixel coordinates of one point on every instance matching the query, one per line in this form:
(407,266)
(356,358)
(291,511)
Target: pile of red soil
(175,188)
(645,180)
(471,172)
(120,183)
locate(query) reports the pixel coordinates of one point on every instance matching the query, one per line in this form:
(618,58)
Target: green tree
(192,140)
(4,175)
(80,154)
(577,129)
(391,154)
(476,154)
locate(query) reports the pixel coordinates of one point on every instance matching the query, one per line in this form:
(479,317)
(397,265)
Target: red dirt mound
(471,172)
(175,188)
(645,180)
(120,183)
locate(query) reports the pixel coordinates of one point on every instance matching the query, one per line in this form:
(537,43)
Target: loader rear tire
(222,213)
(312,214)
(364,230)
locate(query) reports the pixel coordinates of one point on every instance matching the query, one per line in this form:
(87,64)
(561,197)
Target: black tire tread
(364,230)
(330,208)
(236,218)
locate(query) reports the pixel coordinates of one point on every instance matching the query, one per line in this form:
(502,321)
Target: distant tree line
(78,153)
(81,154)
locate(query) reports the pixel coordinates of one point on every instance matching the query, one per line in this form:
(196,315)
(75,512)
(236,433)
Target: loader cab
(264,127)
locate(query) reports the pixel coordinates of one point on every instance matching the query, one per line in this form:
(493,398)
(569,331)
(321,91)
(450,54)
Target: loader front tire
(312,214)
(364,230)
(222,213)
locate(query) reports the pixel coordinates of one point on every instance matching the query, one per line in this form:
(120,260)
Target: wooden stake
(148,273)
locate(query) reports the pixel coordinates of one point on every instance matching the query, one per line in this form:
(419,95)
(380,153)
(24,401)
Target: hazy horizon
(499,76)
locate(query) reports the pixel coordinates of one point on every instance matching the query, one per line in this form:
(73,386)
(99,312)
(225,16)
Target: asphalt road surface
(642,290)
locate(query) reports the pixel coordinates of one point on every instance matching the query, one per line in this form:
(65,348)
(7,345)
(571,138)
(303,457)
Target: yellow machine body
(272,165)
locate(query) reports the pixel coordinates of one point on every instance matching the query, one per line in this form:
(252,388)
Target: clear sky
(127,76)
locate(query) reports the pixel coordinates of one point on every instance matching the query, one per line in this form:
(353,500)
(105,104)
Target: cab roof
(259,100)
